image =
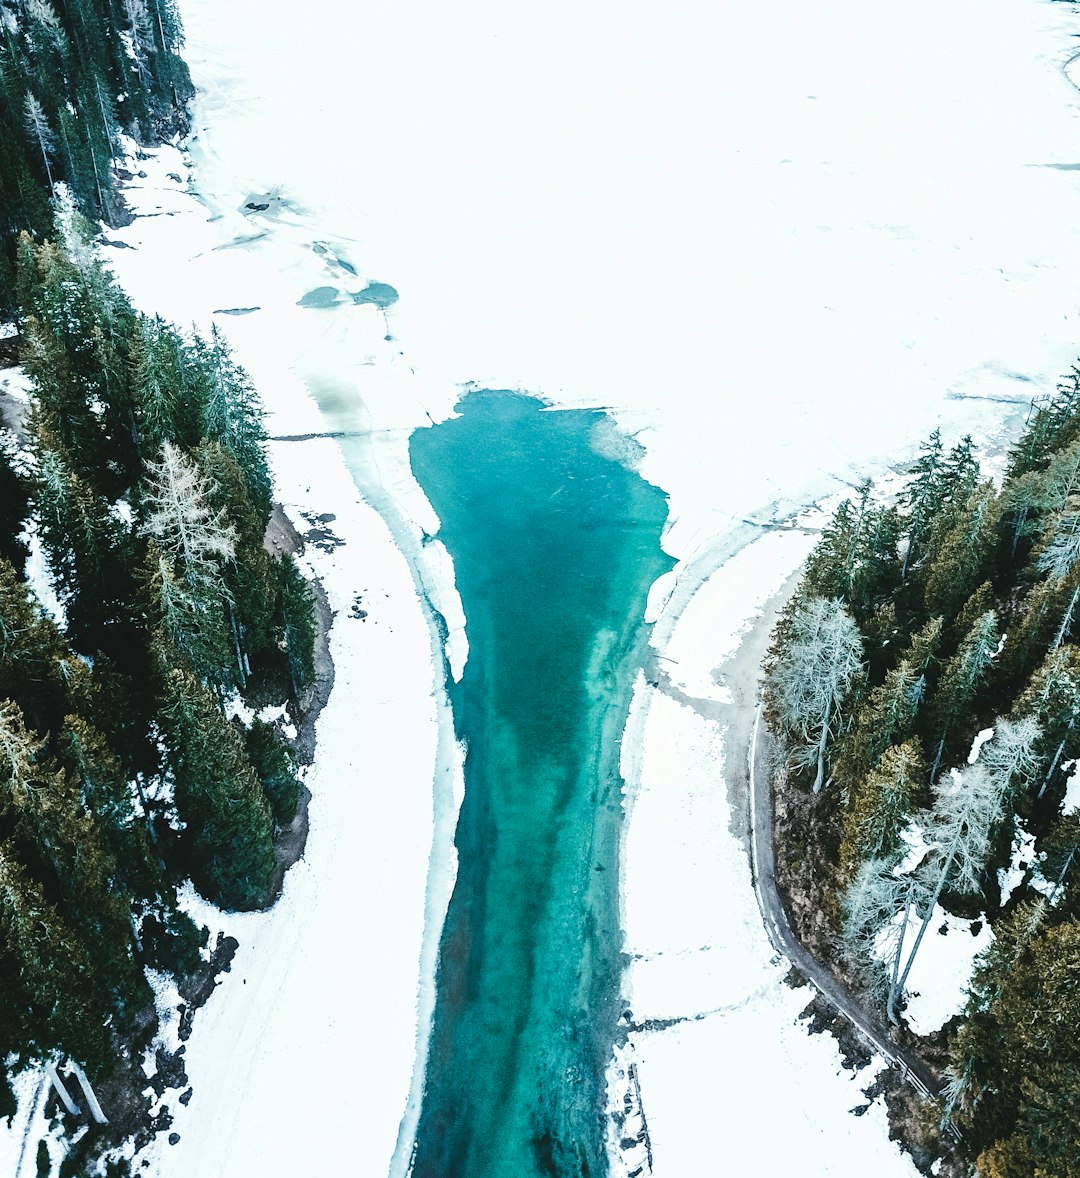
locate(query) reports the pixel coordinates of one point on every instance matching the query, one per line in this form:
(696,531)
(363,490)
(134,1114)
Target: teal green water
(555,546)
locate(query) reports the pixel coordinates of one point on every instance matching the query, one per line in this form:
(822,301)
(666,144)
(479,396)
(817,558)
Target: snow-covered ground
(720,1084)
(782,242)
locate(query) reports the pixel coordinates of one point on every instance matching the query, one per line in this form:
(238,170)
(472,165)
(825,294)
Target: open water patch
(380,294)
(555,542)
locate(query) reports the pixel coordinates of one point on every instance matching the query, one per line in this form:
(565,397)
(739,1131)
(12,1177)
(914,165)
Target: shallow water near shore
(555,544)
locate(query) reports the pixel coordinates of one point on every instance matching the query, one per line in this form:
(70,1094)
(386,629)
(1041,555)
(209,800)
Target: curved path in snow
(783,938)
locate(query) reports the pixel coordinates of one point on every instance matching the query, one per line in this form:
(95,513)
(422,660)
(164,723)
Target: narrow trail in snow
(783,938)
(753,780)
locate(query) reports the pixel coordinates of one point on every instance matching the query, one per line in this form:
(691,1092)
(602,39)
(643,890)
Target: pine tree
(881,806)
(1030,498)
(977,605)
(59,839)
(967,1077)
(888,716)
(57,983)
(959,474)
(963,551)
(922,499)
(250,577)
(14,508)
(276,769)
(1053,426)
(1025,498)
(1027,1062)
(233,416)
(168,392)
(84,544)
(296,609)
(1060,848)
(94,770)
(856,559)
(961,679)
(76,337)
(218,795)
(35,666)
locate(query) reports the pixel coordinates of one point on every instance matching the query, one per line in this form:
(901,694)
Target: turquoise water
(555,544)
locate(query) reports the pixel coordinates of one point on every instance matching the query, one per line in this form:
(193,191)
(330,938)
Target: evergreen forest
(134,485)
(924,682)
(75,78)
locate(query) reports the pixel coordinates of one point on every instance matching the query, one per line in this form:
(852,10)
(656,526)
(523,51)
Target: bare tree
(141,33)
(180,519)
(811,675)
(191,542)
(1011,755)
(968,805)
(1059,558)
(37,127)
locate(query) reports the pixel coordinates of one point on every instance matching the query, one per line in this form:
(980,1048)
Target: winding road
(783,939)
(750,788)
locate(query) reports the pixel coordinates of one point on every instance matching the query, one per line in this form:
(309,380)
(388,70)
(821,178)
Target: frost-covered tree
(968,805)
(37,127)
(869,902)
(1011,757)
(872,939)
(141,35)
(812,674)
(1058,559)
(178,516)
(191,541)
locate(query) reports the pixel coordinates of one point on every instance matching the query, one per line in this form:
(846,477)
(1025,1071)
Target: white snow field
(781,242)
